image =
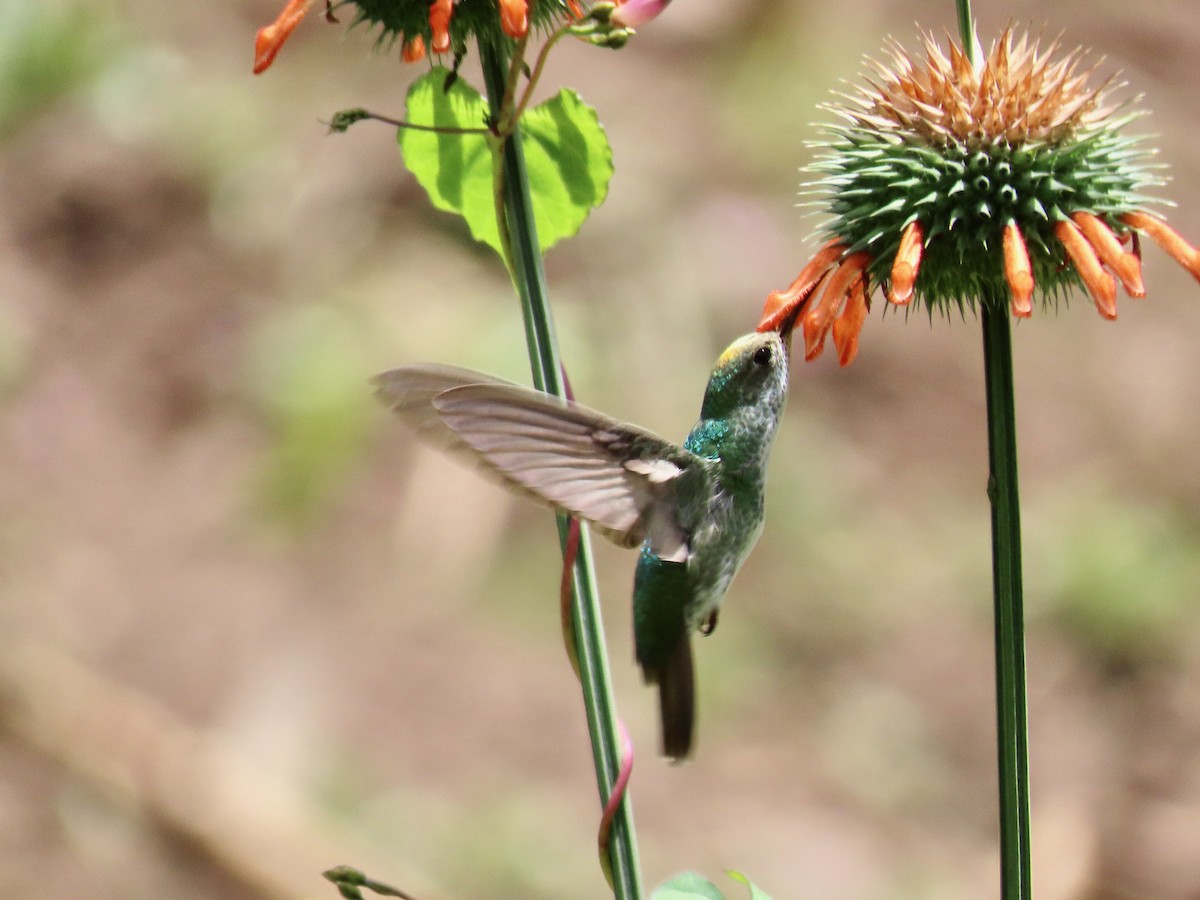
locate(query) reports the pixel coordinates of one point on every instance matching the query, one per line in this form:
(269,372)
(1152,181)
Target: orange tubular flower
(908,261)
(818,317)
(1125,266)
(848,325)
(514,17)
(1167,238)
(440,13)
(1017,271)
(781,305)
(271,38)
(413,49)
(1099,283)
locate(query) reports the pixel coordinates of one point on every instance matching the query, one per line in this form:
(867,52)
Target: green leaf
(455,169)
(755,893)
(567,156)
(687,886)
(569,164)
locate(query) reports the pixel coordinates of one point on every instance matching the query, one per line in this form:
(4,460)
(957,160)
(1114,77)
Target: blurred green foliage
(48,50)
(308,372)
(1120,576)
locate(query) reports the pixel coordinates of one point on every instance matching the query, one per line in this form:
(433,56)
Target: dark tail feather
(677,700)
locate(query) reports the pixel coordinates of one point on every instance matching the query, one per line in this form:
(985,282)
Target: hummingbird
(695,510)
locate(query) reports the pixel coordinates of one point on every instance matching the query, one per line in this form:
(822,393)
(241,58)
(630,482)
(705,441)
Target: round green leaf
(569,164)
(454,169)
(567,158)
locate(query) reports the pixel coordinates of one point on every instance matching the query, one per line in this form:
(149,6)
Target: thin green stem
(438,129)
(342,121)
(1012,718)
(529,278)
(966,28)
(499,195)
(503,115)
(1011,715)
(538,65)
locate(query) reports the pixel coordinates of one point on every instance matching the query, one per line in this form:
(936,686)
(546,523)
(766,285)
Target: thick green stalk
(529,278)
(1011,716)
(1012,728)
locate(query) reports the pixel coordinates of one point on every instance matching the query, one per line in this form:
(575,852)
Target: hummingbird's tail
(662,591)
(676,699)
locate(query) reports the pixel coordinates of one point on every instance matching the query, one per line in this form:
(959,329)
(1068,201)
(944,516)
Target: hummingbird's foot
(710,624)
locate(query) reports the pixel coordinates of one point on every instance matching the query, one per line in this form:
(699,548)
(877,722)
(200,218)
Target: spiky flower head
(960,184)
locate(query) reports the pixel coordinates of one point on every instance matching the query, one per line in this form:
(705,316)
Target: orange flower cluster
(514,21)
(831,282)
(832,292)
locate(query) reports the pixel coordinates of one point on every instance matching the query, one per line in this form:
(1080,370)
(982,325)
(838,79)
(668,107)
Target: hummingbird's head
(752,373)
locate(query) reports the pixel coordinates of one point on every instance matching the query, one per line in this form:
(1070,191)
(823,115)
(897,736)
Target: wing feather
(409,393)
(623,479)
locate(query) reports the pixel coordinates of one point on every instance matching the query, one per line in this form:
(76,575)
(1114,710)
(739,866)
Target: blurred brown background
(251,631)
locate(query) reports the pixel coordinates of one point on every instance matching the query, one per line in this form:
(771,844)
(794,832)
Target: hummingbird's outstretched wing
(409,393)
(630,483)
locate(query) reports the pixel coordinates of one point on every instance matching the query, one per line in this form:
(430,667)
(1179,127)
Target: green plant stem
(400,123)
(529,278)
(538,66)
(1012,728)
(966,28)
(1011,715)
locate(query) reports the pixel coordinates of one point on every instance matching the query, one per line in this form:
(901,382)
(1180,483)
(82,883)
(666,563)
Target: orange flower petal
(413,49)
(514,17)
(1126,266)
(814,336)
(1099,283)
(440,13)
(819,316)
(908,261)
(270,38)
(781,304)
(1167,238)
(848,325)
(1017,271)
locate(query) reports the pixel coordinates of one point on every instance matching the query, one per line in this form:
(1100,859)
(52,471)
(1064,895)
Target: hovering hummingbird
(696,509)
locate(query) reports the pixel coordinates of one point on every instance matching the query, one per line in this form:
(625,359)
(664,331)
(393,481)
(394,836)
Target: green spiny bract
(874,184)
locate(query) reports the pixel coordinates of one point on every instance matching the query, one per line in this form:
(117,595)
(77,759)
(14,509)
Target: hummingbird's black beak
(786,327)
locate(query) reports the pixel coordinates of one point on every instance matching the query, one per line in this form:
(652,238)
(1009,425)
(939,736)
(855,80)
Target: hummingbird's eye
(762,356)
